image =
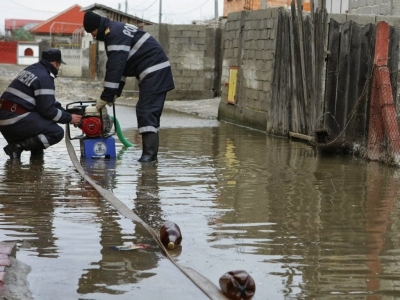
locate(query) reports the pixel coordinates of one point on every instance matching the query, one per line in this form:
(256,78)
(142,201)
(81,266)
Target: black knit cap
(52,55)
(91,21)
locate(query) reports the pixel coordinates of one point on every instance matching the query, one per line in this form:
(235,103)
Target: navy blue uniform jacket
(33,88)
(132,52)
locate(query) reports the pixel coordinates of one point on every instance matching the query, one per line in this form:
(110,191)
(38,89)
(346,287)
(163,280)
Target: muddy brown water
(304,225)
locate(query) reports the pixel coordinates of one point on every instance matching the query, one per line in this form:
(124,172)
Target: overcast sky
(173,11)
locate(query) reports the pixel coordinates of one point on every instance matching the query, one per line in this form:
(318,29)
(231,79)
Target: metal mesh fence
(371,130)
(383,129)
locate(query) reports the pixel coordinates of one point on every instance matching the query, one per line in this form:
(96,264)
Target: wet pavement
(305,225)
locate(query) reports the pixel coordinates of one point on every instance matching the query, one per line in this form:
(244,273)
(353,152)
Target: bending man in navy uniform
(29,111)
(132,52)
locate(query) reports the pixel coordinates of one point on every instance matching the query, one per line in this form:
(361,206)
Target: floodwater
(304,225)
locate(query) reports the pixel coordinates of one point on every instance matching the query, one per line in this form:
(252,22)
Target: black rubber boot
(150,147)
(37,152)
(14,150)
(37,156)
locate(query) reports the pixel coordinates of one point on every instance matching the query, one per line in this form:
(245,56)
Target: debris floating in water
(129,247)
(170,235)
(237,285)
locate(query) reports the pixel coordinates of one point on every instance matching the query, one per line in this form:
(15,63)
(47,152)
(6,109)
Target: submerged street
(302,224)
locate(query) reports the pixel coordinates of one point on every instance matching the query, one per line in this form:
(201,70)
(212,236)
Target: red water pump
(93,123)
(96,140)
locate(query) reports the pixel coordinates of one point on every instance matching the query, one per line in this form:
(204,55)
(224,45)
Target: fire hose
(204,284)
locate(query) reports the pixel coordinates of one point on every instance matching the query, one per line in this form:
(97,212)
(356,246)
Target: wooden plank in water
(301,136)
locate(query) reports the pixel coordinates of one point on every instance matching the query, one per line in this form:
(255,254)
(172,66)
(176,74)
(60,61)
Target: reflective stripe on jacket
(33,88)
(132,52)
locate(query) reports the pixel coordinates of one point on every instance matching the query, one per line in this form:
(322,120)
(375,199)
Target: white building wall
(24,60)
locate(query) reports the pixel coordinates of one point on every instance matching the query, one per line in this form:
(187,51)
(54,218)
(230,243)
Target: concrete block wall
(375,7)
(249,43)
(194,52)
(366,19)
(231,40)
(258,58)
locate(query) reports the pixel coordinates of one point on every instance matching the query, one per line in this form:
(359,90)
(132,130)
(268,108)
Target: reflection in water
(303,224)
(27,205)
(116,268)
(298,220)
(147,202)
(103,170)
(380,204)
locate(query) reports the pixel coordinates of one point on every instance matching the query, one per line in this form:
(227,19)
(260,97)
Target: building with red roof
(11,26)
(65,27)
(64,23)
(64,31)
(15,24)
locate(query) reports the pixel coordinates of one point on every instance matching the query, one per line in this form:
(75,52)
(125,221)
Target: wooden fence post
(303,67)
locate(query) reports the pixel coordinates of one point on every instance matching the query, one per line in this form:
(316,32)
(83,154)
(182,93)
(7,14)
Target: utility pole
(216,9)
(126,6)
(160,14)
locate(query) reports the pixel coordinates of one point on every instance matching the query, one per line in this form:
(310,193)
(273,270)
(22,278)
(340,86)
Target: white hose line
(204,284)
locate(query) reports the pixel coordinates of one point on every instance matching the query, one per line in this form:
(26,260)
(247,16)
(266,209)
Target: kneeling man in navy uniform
(29,111)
